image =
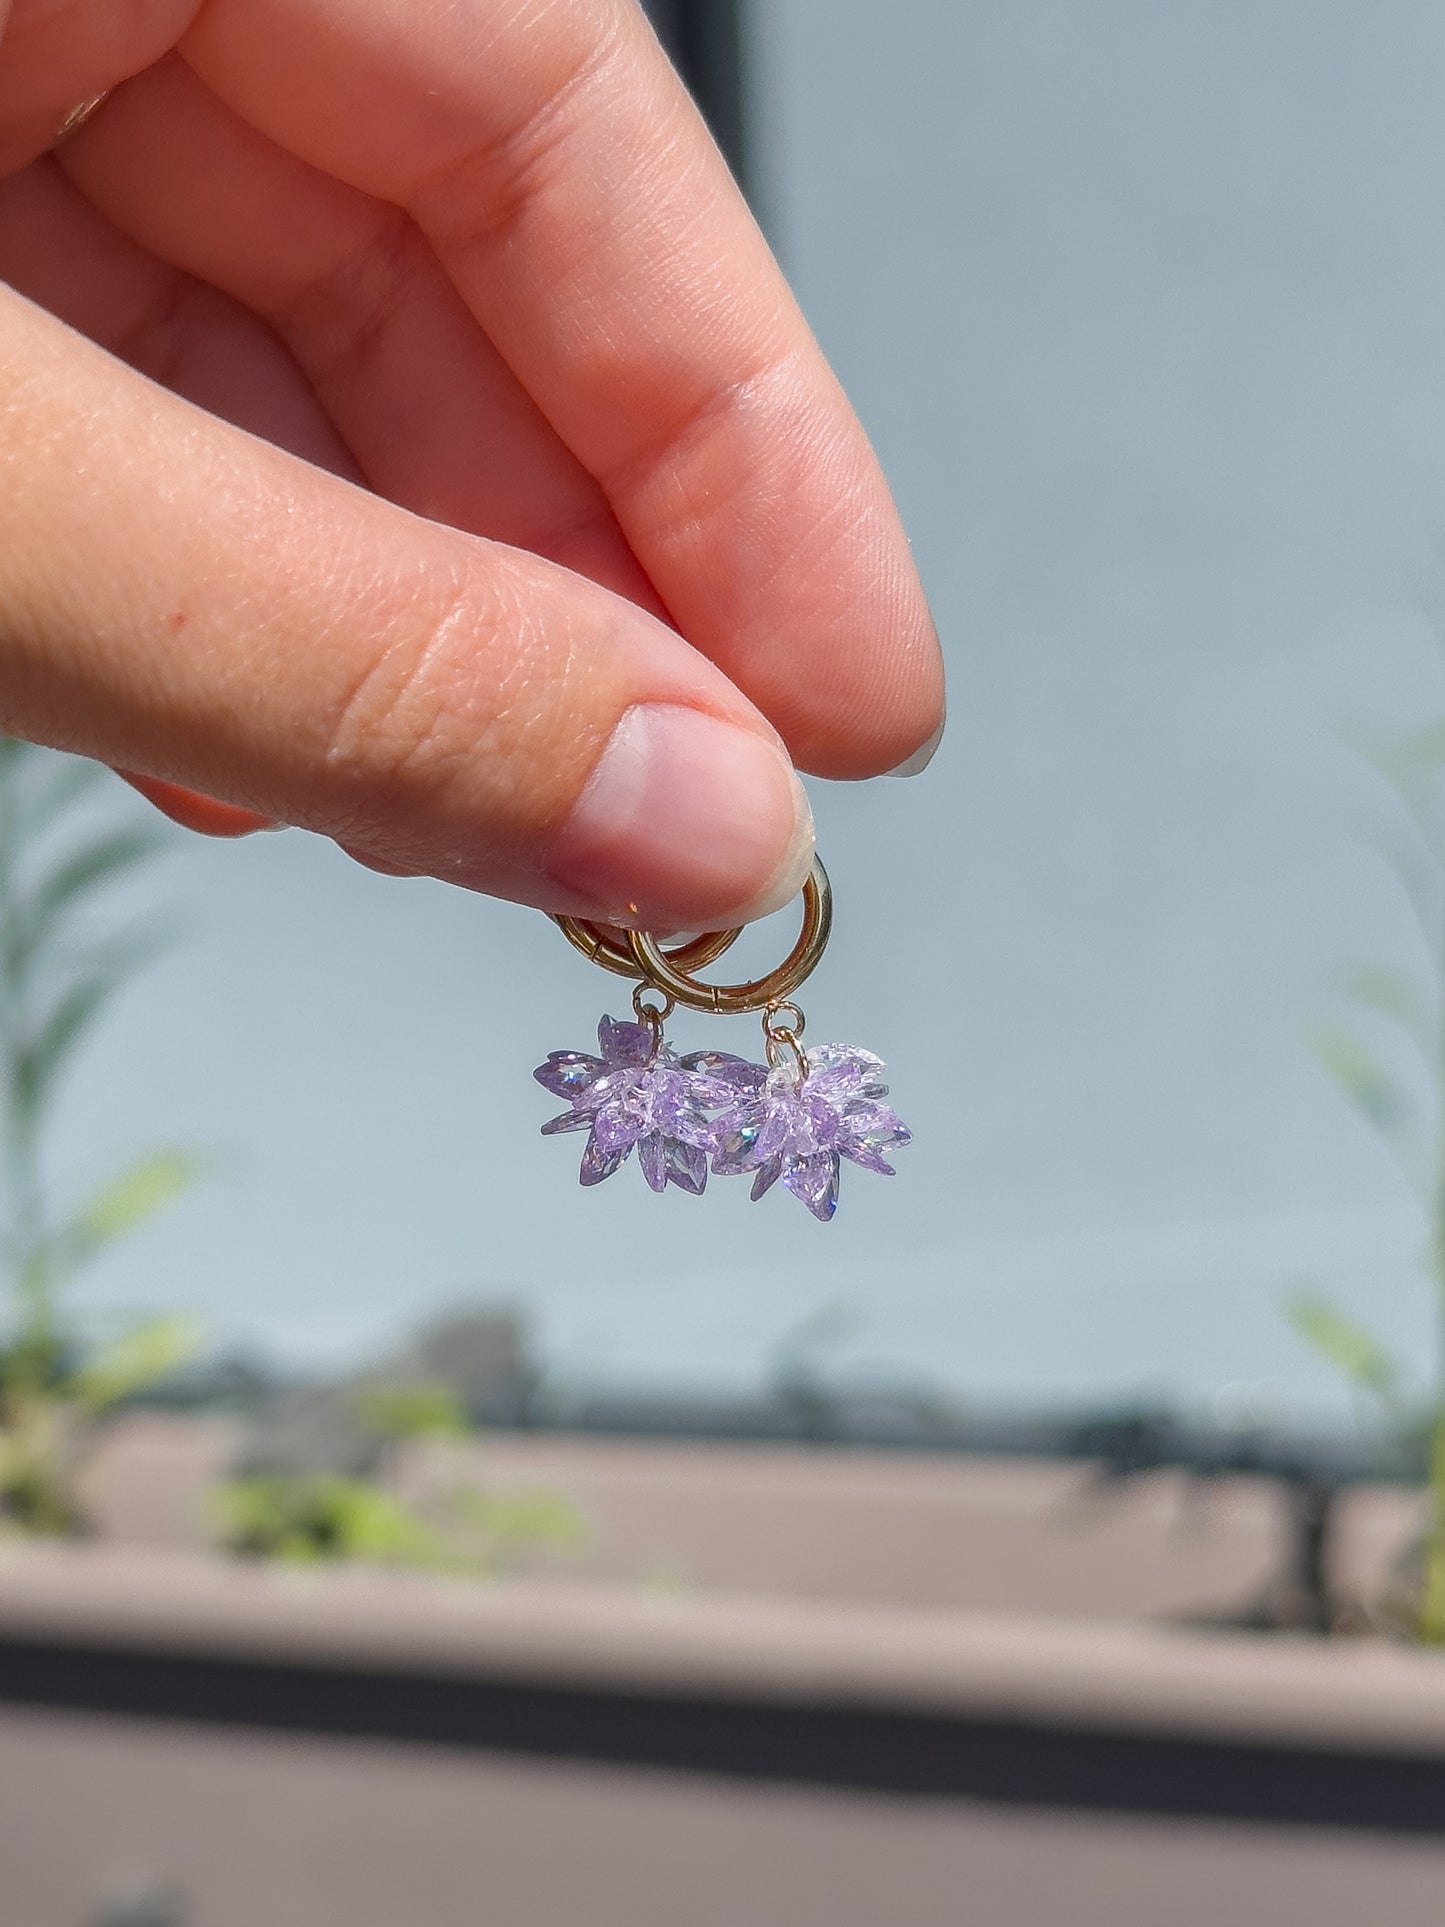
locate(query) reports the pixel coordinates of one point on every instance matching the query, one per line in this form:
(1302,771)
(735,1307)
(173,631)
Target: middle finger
(434,417)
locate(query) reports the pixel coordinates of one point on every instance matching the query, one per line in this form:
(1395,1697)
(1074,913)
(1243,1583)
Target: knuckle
(390,724)
(484,193)
(449,719)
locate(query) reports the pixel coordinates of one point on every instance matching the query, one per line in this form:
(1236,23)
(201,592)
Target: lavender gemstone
(798,1124)
(765,1177)
(814,1180)
(636,1094)
(568,1073)
(625,1043)
(732,1075)
(686,1165)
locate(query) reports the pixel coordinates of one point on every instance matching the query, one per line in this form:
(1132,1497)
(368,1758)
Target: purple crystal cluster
(799,1124)
(794,1123)
(636,1093)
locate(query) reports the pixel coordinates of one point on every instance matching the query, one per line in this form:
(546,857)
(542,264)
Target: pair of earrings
(792,1119)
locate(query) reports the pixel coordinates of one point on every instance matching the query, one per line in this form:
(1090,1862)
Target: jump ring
(659,968)
(653,1015)
(782,1017)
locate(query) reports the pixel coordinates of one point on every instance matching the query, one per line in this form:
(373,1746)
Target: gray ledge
(1354,1696)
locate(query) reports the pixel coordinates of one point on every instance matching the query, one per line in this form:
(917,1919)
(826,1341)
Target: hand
(434,456)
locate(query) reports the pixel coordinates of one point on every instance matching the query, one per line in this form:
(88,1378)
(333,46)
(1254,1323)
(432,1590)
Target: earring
(793,1118)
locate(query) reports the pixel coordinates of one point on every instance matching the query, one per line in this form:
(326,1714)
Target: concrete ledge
(1037,1712)
(1365,1696)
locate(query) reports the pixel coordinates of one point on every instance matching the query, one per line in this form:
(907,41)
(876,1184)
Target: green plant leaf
(315,1516)
(427,1409)
(1407,759)
(40,1059)
(1421,749)
(145,1356)
(150,1186)
(119,1207)
(531,1519)
(304,1518)
(376,1526)
(1347,1346)
(101,861)
(1413,780)
(1417,870)
(1363,1078)
(1394,994)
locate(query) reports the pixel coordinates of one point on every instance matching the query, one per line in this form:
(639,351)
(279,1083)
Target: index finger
(568,185)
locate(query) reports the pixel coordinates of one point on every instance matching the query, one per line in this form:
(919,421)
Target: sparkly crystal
(598,1163)
(865,1138)
(797,1122)
(636,1094)
(625,1043)
(653,1158)
(686,1164)
(732,1074)
(815,1181)
(767,1176)
(567,1073)
(837,1070)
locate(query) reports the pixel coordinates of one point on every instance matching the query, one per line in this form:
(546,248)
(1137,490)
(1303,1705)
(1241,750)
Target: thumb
(198,608)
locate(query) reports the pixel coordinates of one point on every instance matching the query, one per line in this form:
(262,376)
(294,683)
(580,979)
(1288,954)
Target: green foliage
(50,1417)
(53,988)
(60,970)
(426,1409)
(58,977)
(308,1519)
(443,1522)
(1365,1080)
(1395,995)
(143,1357)
(1412,766)
(1349,1348)
(124,1204)
(40,919)
(41,1050)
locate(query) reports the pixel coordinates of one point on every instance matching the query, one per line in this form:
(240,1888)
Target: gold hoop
(77,117)
(654,963)
(600,946)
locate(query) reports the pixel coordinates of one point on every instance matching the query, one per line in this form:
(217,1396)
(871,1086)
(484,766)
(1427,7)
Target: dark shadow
(825,1744)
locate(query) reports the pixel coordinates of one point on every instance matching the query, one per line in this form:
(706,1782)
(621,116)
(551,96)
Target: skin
(396,395)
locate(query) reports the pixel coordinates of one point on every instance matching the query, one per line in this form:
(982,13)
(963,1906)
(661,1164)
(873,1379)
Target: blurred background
(1144,309)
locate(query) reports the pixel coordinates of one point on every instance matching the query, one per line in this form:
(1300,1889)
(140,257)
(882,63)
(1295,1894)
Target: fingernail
(915,764)
(687,823)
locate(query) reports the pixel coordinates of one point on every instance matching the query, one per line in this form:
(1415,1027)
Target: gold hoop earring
(673,973)
(601,945)
(796,1118)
